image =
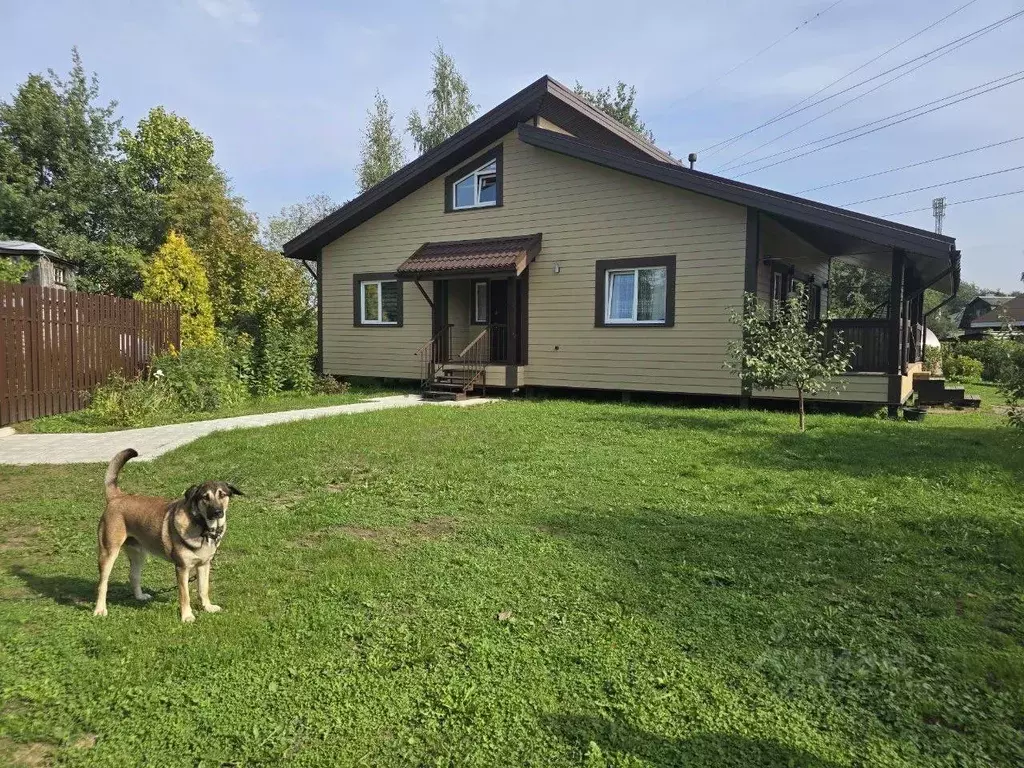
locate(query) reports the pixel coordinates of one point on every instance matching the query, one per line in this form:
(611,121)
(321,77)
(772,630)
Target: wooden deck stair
(931,390)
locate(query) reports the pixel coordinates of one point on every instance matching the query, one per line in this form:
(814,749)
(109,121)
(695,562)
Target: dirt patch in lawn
(18,537)
(32,755)
(389,537)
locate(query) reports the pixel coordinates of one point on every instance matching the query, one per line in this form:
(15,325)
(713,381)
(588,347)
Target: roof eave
(855,224)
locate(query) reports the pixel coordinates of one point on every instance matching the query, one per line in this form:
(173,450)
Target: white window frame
(60,275)
(481,172)
(380,302)
(476,304)
(608,319)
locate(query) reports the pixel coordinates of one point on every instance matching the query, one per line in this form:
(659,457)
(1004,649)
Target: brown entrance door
(498,302)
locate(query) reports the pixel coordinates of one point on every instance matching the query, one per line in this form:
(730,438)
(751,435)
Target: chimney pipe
(693,159)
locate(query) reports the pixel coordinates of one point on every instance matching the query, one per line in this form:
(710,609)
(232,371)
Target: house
(984,314)
(1006,310)
(48,269)
(546,245)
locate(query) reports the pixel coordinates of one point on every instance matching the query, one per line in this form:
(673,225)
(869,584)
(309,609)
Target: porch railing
(434,354)
(871,339)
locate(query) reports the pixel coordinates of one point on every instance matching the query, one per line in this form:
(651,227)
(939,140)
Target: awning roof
(492,256)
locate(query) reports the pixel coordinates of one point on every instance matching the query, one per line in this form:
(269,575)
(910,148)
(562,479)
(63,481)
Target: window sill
(634,325)
(377,325)
(490,207)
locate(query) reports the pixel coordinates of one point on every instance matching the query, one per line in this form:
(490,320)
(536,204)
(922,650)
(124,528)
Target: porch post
(513,324)
(895,366)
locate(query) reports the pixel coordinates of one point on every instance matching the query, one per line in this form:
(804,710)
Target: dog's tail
(114,469)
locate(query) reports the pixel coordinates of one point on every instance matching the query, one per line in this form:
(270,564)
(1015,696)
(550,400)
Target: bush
(993,354)
(960,368)
(125,402)
(200,379)
(328,385)
(932,359)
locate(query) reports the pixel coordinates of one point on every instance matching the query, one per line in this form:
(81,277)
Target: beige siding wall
(857,388)
(585,213)
(549,126)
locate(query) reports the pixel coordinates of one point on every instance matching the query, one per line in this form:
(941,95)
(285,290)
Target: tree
(175,276)
(450,109)
(59,184)
(293,220)
(620,104)
(854,291)
(779,349)
(381,153)
(12,271)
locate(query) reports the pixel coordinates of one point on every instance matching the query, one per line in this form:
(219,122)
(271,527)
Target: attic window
(476,185)
(478,189)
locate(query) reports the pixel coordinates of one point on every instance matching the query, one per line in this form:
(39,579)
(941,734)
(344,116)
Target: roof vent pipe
(693,159)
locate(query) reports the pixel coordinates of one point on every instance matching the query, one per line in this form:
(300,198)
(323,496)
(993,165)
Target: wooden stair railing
(432,355)
(474,358)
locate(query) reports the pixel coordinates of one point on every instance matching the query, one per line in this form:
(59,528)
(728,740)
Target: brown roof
(503,255)
(1013,308)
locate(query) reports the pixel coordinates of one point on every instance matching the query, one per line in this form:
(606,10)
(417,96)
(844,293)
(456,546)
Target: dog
(186,531)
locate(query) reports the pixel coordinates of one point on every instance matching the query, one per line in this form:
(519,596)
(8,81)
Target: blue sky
(283,87)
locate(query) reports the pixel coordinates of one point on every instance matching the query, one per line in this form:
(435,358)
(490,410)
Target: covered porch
(478,297)
(890,340)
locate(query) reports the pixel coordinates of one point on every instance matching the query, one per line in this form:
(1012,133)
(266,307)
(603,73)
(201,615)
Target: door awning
(507,256)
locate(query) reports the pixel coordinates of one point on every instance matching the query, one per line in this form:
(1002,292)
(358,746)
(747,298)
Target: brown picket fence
(57,345)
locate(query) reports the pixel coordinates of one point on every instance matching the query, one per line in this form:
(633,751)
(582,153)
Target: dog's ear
(232,491)
(190,495)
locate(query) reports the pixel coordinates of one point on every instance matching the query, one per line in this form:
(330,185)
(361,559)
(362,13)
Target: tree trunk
(800,399)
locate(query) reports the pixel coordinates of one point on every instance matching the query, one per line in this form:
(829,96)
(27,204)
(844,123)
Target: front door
(498,302)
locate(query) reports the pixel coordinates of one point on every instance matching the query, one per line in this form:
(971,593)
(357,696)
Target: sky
(283,87)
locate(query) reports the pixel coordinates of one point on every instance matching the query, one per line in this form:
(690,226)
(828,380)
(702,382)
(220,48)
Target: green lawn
(86,421)
(675,588)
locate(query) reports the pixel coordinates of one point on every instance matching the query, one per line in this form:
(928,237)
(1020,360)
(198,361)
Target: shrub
(175,276)
(201,379)
(328,385)
(124,402)
(12,271)
(961,368)
(932,359)
(993,354)
(1012,385)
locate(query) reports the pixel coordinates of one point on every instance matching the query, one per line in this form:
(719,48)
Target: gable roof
(545,97)
(1012,307)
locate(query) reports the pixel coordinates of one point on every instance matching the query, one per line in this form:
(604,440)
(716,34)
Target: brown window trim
(472,302)
(357,316)
(601,268)
(496,154)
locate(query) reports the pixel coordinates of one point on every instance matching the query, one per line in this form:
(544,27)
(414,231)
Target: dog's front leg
(204,588)
(184,603)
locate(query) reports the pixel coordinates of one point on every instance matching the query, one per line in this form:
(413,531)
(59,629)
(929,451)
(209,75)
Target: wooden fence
(56,345)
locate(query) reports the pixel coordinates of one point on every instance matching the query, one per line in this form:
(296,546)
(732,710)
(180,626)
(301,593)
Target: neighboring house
(48,269)
(546,245)
(977,310)
(1009,310)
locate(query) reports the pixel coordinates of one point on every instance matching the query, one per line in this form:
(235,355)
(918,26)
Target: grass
(87,421)
(540,583)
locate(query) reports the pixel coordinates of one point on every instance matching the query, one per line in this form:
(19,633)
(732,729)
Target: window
(814,302)
(636,292)
(377,300)
(476,185)
(60,275)
(479,309)
(778,292)
(478,189)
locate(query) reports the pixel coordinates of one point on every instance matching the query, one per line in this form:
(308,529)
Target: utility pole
(939,212)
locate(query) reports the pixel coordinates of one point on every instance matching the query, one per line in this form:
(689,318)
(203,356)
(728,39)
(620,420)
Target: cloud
(240,12)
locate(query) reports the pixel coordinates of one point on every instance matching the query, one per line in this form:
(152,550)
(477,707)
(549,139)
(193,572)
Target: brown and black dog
(186,531)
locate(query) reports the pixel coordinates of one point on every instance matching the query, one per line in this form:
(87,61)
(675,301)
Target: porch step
(935,392)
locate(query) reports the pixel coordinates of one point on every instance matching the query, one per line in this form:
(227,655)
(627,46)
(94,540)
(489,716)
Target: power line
(869,62)
(935,54)
(1018,75)
(764,50)
(958,202)
(934,186)
(911,165)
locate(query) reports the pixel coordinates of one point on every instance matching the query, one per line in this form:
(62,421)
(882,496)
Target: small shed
(49,269)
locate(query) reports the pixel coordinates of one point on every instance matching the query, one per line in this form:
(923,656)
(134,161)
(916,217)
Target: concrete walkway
(150,442)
